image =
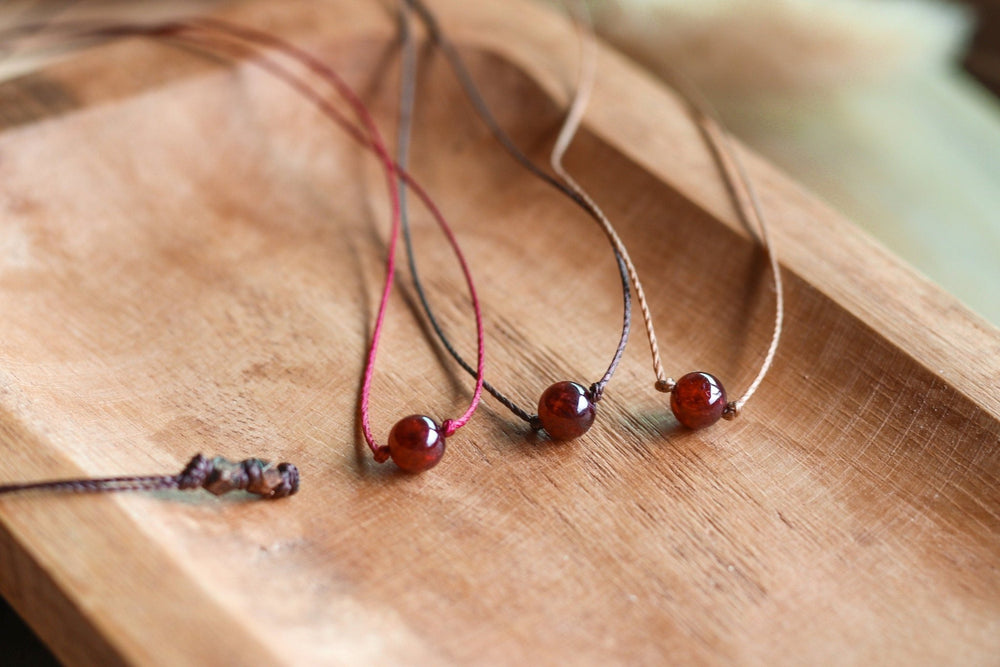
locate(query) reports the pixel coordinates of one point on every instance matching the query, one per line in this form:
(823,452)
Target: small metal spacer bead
(666,386)
(731,412)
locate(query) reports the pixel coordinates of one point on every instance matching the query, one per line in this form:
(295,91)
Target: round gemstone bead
(566,411)
(698,400)
(416,443)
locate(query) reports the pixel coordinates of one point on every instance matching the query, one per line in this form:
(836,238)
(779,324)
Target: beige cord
(723,143)
(585,86)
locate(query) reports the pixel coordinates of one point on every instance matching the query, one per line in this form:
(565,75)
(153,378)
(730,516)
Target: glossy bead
(698,400)
(566,411)
(416,443)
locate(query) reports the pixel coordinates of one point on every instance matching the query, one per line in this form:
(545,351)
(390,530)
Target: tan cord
(585,87)
(723,143)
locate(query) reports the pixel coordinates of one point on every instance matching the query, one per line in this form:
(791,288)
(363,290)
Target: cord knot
(596,392)
(195,473)
(666,385)
(220,476)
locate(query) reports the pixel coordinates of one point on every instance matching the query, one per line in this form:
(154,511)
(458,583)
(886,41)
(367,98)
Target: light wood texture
(190,261)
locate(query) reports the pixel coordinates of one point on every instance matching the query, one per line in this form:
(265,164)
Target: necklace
(698,399)
(417,442)
(567,409)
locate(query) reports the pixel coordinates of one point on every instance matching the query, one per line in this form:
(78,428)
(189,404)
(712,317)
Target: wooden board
(191,257)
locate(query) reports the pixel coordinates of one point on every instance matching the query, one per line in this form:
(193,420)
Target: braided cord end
(220,476)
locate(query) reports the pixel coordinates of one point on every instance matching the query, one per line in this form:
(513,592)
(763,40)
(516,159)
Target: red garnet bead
(698,400)
(416,443)
(566,411)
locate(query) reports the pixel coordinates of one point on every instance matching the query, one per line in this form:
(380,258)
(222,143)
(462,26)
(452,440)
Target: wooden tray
(190,261)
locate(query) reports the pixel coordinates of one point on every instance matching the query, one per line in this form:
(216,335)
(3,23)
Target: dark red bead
(698,400)
(416,443)
(566,411)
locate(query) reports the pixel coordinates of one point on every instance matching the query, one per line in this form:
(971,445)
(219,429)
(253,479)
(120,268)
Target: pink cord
(393,172)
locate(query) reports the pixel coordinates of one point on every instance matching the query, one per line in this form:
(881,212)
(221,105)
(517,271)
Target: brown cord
(217,476)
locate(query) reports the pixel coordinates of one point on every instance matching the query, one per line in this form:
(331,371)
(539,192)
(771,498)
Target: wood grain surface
(190,258)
